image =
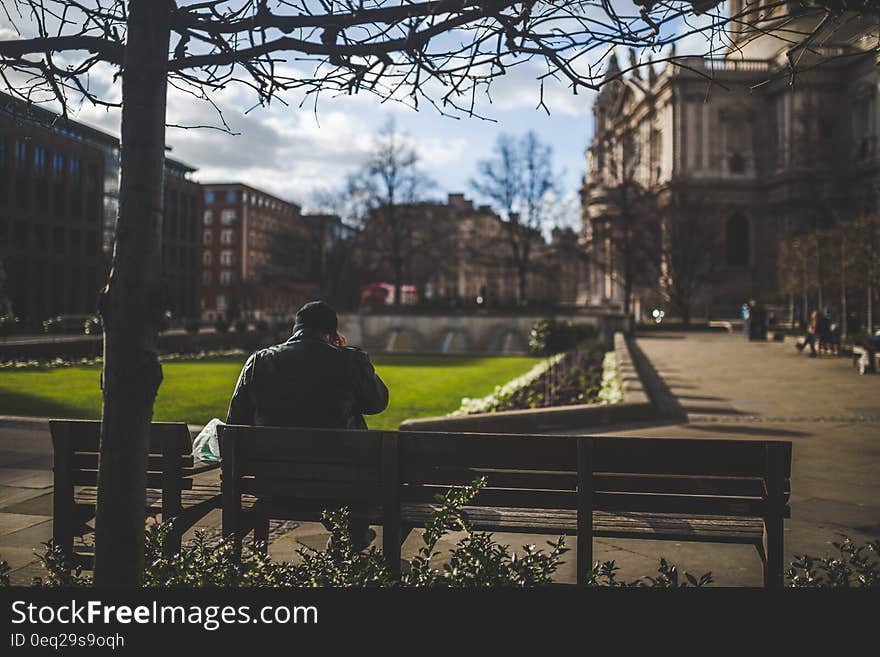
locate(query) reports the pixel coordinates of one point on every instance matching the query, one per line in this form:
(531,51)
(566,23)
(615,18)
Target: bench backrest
(322,464)
(77,446)
(709,477)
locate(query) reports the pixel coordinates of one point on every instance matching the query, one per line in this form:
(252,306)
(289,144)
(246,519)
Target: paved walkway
(728,387)
(731,388)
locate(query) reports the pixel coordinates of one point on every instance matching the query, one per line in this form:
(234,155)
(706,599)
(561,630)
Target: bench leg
(173,541)
(232,530)
(391,542)
(773,553)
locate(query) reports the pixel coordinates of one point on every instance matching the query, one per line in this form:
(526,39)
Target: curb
(637,406)
(21,422)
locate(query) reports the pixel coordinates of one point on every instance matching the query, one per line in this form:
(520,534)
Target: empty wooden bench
(171,489)
(717,491)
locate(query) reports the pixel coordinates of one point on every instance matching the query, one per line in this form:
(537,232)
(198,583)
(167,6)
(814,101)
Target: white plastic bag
(206,446)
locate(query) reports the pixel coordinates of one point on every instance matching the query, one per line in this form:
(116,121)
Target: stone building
(52,211)
(734,143)
(181,243)
(59,198)
(458,254)
(255,254)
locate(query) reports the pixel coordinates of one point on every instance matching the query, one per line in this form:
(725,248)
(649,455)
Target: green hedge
(551,336)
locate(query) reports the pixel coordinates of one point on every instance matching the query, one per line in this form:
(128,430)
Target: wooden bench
(171,490)
(718,491)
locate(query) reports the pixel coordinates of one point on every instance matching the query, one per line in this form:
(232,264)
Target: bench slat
(514,452)
(302,445)
(305,489)
(631,525)
(316,471)
(84,435)
(544,499)
(154,479)
(89,461)
(669,456)
(548,480)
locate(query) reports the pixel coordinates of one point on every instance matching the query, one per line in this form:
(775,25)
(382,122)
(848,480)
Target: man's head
(317,316)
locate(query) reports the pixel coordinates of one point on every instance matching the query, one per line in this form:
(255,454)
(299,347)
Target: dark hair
(317,315)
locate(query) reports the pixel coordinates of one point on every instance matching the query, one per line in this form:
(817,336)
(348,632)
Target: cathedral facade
(737,149)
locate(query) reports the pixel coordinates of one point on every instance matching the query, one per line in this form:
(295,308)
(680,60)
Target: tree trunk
(843,305)
(870,310)
(131,303)
(396,253)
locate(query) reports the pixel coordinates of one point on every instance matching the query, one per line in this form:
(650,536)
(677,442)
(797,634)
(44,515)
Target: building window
(206,258)
(226,257)
(221,302)
(227,217)
(225,277)
(40,158)
(737,240)
(231,196)
(206,277)
(207,238)
(208,218)
(58,163)
(209,197)
(74,167)
(21,151)
(737,164)
(226,236)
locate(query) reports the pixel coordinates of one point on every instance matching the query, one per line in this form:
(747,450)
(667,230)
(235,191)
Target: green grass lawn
(197,391)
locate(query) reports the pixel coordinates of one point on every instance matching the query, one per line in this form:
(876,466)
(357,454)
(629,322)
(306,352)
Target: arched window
(737,240)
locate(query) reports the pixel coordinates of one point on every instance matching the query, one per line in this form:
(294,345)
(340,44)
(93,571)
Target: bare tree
(519,181)
(624,240)
(439,51)
(390,183)
(865,231)
(690,251)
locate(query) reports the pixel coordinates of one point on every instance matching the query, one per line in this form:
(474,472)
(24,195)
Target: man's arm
(242,409)
(371,394)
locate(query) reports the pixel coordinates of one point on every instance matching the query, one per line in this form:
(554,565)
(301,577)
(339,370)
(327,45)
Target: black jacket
(307,382)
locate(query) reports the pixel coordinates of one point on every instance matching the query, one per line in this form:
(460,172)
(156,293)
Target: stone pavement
(731,388)
(727,387)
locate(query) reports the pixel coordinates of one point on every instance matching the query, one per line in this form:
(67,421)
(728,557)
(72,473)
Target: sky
(294,152)
(297,153)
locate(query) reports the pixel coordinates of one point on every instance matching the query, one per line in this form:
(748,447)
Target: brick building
(456,252)
(255,254)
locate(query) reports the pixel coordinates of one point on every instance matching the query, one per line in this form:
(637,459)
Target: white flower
(490,402)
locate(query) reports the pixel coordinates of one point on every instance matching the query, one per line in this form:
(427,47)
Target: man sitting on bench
(312,380)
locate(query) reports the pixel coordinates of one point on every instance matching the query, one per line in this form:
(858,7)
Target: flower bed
(574,377)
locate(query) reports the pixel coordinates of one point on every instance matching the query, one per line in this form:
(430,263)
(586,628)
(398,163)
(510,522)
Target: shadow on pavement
(747,429)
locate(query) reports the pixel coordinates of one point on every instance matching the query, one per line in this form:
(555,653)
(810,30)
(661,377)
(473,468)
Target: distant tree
(388,185)
(519,181)
(865,231)
(690,252)
(624,242)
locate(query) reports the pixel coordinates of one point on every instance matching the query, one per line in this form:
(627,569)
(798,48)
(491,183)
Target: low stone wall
(471,334)
(635,407)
